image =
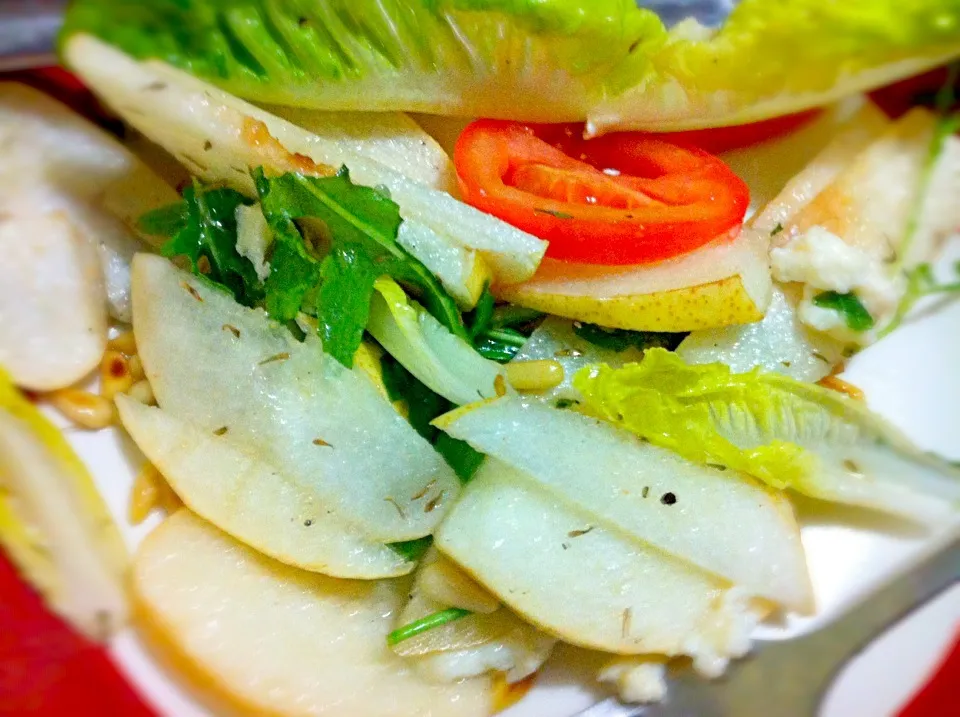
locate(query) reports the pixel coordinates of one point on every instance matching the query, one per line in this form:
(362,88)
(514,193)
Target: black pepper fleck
(668,499)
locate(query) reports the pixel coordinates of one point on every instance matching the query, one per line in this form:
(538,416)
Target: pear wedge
(718,520)
(185,115)
(589,583)
(278,641)
(244,496)
(223,367)
(726,282)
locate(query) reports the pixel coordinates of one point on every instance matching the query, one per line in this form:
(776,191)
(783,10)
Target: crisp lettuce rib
(545,60)
(785,432)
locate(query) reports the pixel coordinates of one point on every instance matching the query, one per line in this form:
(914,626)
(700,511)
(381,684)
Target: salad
(449,334)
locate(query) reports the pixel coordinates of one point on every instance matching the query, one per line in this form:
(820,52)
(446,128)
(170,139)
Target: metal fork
(790,678)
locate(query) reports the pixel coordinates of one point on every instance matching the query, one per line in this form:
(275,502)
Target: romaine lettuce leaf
(54,523)
(787,433)
(546,60)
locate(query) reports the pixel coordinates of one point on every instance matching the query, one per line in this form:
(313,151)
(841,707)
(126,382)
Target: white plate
(911,377)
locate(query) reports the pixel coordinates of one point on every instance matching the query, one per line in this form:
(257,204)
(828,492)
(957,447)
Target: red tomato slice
(625,198)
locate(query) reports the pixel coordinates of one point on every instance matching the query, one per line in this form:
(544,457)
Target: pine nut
(115,375)
(540,375)
(85,409)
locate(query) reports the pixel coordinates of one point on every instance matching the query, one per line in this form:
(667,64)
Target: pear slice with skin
(726,282)
(716,519)
(282,642)
(220,138)
(221,366)
(580,578)
(251,500)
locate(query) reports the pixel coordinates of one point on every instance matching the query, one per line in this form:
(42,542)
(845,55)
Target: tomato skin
(662,200)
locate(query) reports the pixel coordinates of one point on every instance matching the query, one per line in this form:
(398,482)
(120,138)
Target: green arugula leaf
(412,550)
(854,313)
(482,313)
(203,228)
(621,339)
(500,345)
(164,221)
(362,225)
(516,317)
(499,332)
(423,405)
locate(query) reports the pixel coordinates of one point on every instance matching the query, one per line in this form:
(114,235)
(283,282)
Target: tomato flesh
(626,198)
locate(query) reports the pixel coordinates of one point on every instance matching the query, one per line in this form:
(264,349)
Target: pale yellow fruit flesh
(275,640)
(220,138)
(870,202)
(252,500)
(720,521)
(585,582)
(217,364)
(55,161)
(847,140)
(724,283)
(47,266)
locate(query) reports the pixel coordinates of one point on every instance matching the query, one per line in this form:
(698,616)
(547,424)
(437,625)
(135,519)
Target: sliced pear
(870,202)
(57,161)
(185,115)
(768,167)
(727,282)
(443,582)
(495,641)
(938,218)
(850,138)
(220,479)
(718,520)
(793,435)
(445,363)
(463,272)
(555,340)
(391,138)
(278,641)
(779,342)
(218,365)
(55,525)
(599,588)
(53,316)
